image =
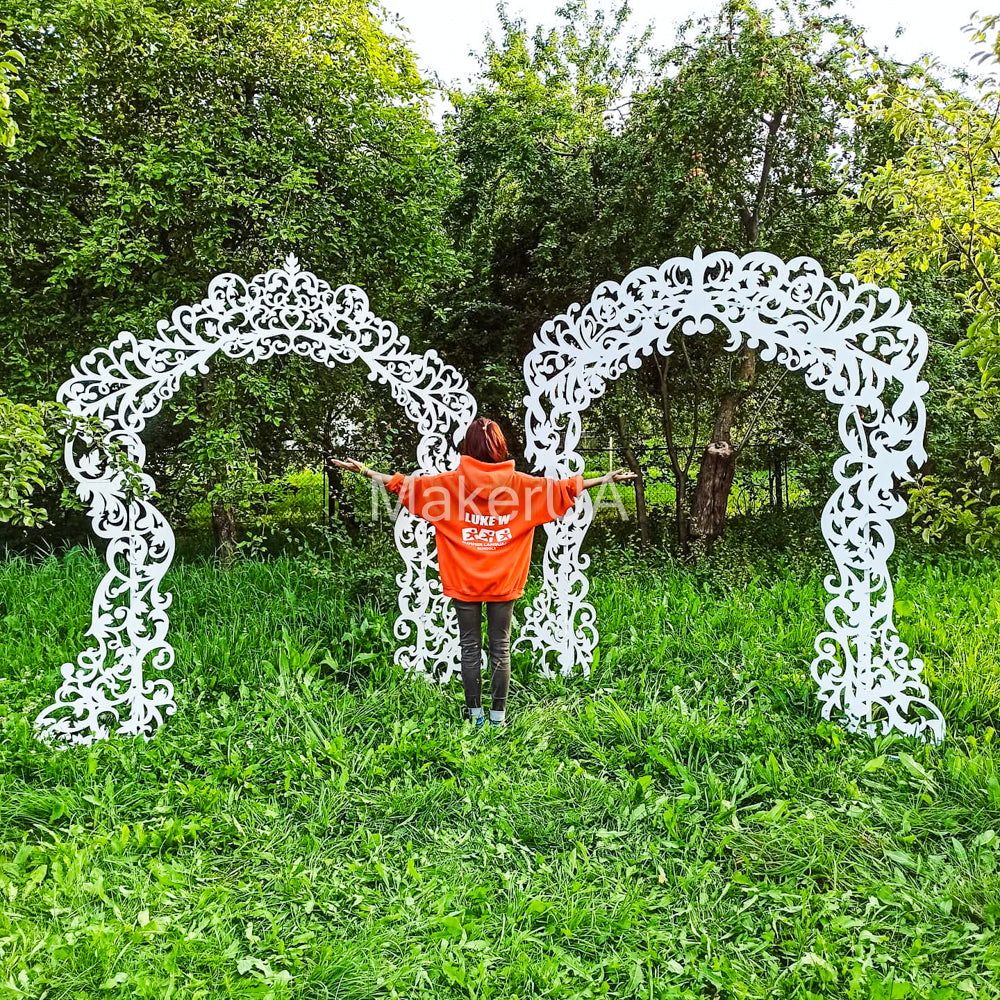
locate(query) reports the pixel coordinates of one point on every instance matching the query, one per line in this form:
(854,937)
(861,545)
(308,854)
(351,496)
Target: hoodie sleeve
(412,490)
(405,488)
(551,498)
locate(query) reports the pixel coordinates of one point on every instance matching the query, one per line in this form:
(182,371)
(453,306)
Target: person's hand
(618,476)
(353,466)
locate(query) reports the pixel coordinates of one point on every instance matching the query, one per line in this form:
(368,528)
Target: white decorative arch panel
(118,683)
(853,342)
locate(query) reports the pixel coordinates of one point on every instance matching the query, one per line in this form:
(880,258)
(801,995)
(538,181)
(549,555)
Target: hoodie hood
(486,476)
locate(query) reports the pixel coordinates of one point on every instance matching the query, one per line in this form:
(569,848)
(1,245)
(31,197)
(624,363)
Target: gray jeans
(470,635)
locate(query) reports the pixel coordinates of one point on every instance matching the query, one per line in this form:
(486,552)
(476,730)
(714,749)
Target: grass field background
(312,823)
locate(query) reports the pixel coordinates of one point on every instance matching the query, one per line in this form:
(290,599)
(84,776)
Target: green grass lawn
(314,824)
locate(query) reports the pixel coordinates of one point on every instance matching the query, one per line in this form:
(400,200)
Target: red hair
(484,441)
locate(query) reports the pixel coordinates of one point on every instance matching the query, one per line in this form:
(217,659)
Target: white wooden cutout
(117,683)
(853,342)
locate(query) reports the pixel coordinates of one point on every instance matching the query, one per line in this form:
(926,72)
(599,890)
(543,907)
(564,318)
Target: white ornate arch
(852,342)
(120,675)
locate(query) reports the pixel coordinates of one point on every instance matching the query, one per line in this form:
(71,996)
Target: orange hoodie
(484,516)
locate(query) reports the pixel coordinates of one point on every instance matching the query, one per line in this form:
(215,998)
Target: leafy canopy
(166,141)
(939,211)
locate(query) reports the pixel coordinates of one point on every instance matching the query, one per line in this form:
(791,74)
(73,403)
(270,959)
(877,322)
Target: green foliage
(24,449)
(685,824)
(939,192)
(10,63)
(939,211)
(295,500)
(31,439)
(167,141)
(956,496)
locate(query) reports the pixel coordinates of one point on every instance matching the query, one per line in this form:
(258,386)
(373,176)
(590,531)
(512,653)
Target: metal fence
(762,482)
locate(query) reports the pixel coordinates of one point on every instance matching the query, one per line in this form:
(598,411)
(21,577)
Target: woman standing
(484,516)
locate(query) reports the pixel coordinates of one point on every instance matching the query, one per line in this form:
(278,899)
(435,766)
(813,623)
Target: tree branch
(760,409)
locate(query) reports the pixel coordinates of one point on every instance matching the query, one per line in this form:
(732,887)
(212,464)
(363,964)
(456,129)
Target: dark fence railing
(763,481)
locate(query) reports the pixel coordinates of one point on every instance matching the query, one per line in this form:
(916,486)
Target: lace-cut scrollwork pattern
(853,342)
(117,683)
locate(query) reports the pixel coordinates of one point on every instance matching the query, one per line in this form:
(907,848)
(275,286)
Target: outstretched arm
(561,494)
(362,470)
(615,476)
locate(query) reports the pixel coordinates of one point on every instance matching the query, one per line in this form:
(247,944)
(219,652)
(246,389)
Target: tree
(575,167)
(169,140)
(742,143)
(939,211)
(528,142)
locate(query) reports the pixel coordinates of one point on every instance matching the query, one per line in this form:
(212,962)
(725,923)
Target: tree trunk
(778,477)
(718,461)
(340,504)
(641,514)
(223,518)
(711,494)
(679,469)
(681,515)
(224,532)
